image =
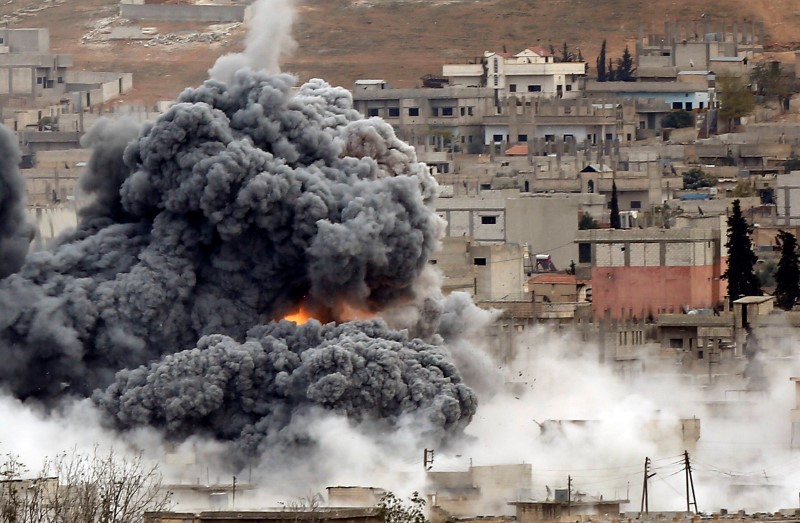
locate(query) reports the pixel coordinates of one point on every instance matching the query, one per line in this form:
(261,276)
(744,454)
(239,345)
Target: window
(699,355)
(2,40)
(497,138)
(700,105)
(479,261)
(636,204)
(584,253)
(486,186)
(433,262)
(463,111)
(61,79)
(688,106)
(447,111)
(512,88)
(413,111)
(39,80)
(569,87)
(488,220)
(435,111)
(470,110)
(394,112)
(373,111)
(549,138)
(629,137)
(522,138)
(569,138)
(534,88)
(609,136)
(677,105)
(676,343)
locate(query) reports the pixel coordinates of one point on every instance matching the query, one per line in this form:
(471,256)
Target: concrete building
(480,490)
(560,298)
(545,222)
(566,510)
(675,95)
(646,272)
(787,196)
(301,515)
(531,73)
(355,496)
(27,67)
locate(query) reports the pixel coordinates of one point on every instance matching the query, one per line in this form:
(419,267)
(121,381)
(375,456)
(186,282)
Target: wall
(183,13)
(547,223)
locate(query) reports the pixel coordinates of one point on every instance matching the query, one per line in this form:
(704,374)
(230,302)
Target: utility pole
(645,506)
(427,459)
(689,483)
(569,495)
(233,494)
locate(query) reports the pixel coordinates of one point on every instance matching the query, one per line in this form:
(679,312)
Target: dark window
(479,261)
(688,106)
(447,111)
(629,137)
(463,111)
(435,111)
(675,343)
(700,105)
(413,111)
(61,79)
(39,80)
(497,137)
(394,112)
(488,220)
(486,186)
(512,88)
(522,138)
(373,112)
(469,110)
(699,355)
(609,136)
(584,253)
(433,262)
(549,138)
(677,105)
(569,87)
(534,88)
(636,204)
(2,40)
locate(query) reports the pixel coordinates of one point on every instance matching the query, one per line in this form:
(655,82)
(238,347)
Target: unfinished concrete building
(479,490)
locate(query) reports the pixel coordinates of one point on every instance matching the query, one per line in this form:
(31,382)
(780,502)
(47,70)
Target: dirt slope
(342,40)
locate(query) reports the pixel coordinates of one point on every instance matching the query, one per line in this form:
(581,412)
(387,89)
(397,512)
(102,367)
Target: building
(566,509)
(27,67)
(531,73)
(787,195)
(545,222)
(300,515)
(686,95)
(480,490)
(487,272)
(560,298)
(647,272)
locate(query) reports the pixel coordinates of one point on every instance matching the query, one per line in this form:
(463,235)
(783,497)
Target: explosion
(243,202)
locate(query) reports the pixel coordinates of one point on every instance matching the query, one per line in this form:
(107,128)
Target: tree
(696,178)
(611,74)
(736,98)
(96,488)
(625,68)
(396,510)
(614,205)
(787,277)
(791,164)
(587,222)
(742,280)
(566,56)
(772,82)
(678,119)
(601,63)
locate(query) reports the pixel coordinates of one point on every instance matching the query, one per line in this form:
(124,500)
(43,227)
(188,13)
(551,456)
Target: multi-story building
(645,272)
(28,68)
(531,73)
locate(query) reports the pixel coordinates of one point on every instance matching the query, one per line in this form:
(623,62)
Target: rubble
(100,31)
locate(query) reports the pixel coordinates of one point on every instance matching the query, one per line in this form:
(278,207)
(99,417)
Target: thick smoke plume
(242,202)
(15,233)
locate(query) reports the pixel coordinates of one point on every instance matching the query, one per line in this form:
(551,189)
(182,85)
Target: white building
(787,196)
(532,73)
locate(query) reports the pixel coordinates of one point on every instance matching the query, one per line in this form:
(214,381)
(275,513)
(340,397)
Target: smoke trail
(15,233)
(237,204)
(269,37)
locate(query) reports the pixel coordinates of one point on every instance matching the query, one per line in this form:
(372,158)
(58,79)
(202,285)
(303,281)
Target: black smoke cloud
(15,232)
(235,206)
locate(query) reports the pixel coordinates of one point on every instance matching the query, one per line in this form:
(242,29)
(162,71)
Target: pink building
(646,272)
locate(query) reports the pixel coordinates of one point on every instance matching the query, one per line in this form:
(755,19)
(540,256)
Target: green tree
(741,276)
(614,205)
(587,222)
(396,510)
(696,178)
(625,69)
(601,63)
(791,164)
(787,277)
(736,98)
(772,82)
(678,119)
(566,55)
(743,189)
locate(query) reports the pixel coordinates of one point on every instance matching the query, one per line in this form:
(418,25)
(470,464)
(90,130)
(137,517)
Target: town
(626,225)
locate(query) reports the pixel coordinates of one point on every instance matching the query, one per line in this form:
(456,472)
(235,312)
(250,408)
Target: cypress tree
(601,63)
(741,276)
(625,67)
(615,221)
(787,277)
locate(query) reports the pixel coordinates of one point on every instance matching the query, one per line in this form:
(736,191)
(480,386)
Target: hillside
(398,40)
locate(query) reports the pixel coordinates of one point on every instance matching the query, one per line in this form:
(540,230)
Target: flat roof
(753,299)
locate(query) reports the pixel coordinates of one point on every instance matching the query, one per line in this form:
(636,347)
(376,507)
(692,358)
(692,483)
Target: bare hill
(398,40)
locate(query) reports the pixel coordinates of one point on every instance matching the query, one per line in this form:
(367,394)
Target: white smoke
(269,38)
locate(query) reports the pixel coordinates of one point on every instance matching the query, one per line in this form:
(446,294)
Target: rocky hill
(397,40)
